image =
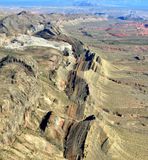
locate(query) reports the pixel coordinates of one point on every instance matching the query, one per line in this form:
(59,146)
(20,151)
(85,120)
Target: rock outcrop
(62,100)
(32,102)
(18,77)
(26,23)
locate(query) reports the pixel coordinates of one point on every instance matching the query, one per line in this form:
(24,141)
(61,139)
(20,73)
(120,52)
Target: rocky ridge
(56,99)
(42,120)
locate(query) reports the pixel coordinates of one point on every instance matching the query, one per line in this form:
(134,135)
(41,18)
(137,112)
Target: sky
(123,3)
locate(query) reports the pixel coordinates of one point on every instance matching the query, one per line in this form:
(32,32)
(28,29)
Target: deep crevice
(44,121)
(90,118)
(65,139)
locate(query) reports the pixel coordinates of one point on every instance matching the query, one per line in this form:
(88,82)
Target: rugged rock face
(25,104)
(43,92)
(18,77)
(59,100)
(26,23)
(75,139)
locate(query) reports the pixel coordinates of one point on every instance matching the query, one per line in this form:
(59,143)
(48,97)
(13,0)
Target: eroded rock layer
(62,100)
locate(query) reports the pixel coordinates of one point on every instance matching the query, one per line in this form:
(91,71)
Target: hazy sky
(127,3)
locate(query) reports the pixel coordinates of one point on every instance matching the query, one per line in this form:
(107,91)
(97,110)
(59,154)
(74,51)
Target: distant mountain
(131,16)
(85,3)
(101,14)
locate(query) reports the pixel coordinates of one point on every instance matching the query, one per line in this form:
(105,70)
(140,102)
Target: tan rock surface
(59,100)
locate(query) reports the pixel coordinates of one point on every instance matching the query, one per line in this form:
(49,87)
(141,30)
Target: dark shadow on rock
(44,121)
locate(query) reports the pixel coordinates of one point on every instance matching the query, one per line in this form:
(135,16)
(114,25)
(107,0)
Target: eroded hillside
(61,100)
